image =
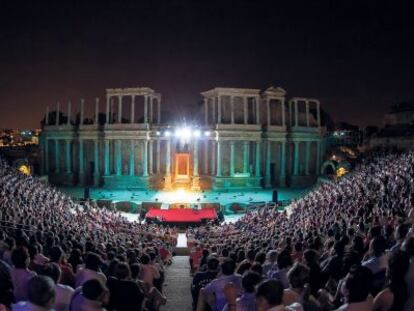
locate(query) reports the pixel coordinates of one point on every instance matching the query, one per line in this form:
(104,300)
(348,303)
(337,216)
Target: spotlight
(186,133)
(197,133)
(167,133)
(158,133)
(207,133)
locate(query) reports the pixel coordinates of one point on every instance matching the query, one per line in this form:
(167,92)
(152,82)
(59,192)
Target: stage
(224,198)
(184,196)
(181,215)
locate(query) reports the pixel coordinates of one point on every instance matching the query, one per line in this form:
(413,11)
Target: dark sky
(357,57)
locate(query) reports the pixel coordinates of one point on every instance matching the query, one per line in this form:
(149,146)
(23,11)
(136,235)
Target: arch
(328,168)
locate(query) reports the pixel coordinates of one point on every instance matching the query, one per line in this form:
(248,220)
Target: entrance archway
(328,168)
(182,166)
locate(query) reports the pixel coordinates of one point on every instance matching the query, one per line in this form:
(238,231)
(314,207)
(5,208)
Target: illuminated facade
(245,139)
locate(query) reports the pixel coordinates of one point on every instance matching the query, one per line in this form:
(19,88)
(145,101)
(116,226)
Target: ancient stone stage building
(246,138)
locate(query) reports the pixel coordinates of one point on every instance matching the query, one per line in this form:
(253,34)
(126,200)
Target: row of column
(295,102)
(216,101)
(148,162)
(148,110)
(117,159)
(246,145)
(149,101)
(296,156)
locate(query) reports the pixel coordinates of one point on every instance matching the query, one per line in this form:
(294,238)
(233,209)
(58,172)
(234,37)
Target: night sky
(357,57)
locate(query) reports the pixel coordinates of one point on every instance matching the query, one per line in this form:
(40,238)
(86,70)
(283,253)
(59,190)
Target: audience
(346,245)
(44,232)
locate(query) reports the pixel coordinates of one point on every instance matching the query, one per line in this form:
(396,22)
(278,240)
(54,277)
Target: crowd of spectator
(56,254)
(348,245)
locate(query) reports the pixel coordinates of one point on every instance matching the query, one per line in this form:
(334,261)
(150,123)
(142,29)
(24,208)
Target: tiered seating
(337,235)
(43,232)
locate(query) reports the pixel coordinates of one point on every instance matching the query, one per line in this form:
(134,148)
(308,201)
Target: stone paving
(177,285)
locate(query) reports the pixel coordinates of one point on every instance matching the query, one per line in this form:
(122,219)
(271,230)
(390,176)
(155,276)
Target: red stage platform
(186,215)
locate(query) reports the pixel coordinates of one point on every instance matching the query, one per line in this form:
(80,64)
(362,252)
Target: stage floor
(177,196)
(182,196)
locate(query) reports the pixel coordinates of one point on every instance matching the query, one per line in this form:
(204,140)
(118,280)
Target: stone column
(132,158)
(245,110)
(81,161)
(82,104)
(146,109)
(268,160)
(246,146)
(96,160)
(269,115)
(213,157)
(47,116)
(282,180)
(151,157)
(97,111)
(107,109)
(57,118)
(69,112)
(158,156)
(318,113)
(106,166)
(318,157)
(307,154)
(205,111)
(218,109)
(257,159)
(206,157)
(195,159)
(232,109)
(132,108)
(159,109)
(296,159)
(68,157)
(47,155)
(232,156)
(118,157)
(195,182)
(151,109)
(167,178)
(290,113)
(257,104)
(57,155)
(145,158)
(168,159)
(296,113)
(119,108)
(283,112)
(112,111)
(218,159)
(213,102)
(307,113)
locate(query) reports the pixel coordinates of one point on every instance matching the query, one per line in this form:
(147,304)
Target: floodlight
(186,133)
(207,133)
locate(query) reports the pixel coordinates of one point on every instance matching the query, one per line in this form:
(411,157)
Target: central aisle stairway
(177,285)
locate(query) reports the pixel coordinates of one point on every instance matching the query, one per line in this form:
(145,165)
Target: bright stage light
(207,133)
(158,133)
(183,133)
(197,133)
(167,133)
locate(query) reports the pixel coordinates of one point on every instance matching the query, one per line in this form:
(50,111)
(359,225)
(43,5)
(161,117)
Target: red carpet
(182,215)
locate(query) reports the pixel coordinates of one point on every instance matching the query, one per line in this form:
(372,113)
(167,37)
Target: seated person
(40,293)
